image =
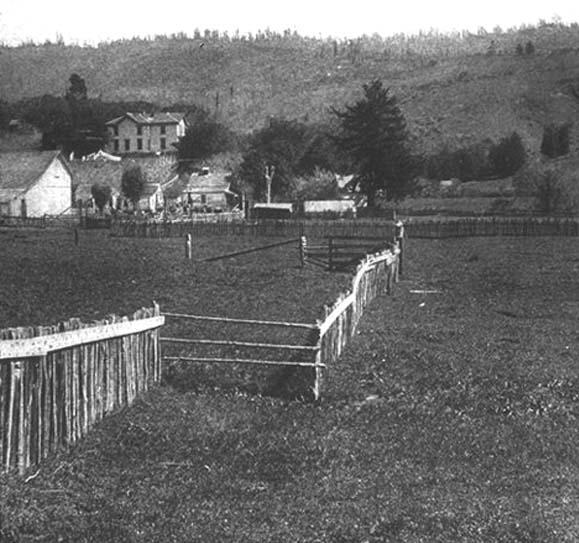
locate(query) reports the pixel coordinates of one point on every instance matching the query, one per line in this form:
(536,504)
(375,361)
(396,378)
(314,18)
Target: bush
(555,190)
(555,140)
(508,156)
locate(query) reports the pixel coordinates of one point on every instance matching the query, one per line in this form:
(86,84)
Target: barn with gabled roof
(34,184)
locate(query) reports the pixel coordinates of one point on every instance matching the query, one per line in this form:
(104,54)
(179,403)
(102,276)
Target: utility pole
(269,173)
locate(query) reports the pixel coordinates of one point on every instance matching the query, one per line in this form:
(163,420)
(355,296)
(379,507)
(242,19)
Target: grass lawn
(451,417)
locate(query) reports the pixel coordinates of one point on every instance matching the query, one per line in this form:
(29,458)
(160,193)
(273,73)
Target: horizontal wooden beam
(41,345)
(336,312)
(190,341)
(243,361)
(241,321)
(251,250)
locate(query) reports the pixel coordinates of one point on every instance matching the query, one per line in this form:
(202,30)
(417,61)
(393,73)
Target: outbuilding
(34,184)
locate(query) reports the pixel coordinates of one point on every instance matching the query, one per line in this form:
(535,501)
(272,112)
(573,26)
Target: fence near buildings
(416,227)
(56,382)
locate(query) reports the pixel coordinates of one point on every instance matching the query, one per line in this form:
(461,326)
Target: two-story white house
(141,133)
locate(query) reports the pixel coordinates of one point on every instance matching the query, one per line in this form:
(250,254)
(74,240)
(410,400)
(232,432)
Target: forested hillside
(455,90)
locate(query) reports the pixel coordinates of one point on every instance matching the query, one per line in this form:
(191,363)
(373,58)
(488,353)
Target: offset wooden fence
(57,381)
(375,275)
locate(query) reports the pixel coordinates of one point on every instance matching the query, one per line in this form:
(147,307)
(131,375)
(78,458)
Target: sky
(91,22)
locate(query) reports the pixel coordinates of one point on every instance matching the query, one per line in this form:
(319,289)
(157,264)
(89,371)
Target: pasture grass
(452,416)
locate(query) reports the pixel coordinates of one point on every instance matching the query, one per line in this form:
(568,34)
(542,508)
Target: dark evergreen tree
(133,182)
(529,48)
(101,195)
(373,133)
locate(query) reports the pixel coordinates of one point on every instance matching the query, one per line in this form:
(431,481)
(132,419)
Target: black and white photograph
(289,273)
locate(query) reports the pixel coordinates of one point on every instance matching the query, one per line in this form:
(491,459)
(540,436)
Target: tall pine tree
(373,133)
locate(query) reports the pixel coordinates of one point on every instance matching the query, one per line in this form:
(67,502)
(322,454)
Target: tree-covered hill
(455,89)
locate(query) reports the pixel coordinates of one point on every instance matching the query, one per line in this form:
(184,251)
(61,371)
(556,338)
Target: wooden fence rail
(57,381)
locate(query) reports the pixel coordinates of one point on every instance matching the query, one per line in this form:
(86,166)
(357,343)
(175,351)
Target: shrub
(555,140)
(507,156)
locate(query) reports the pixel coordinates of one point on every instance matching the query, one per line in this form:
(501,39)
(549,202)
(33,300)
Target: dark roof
(20,170)
(164,117)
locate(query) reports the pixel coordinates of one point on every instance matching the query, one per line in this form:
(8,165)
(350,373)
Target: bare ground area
(452,416)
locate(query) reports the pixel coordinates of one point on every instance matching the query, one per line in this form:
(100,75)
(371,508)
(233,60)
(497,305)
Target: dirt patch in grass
(451,417)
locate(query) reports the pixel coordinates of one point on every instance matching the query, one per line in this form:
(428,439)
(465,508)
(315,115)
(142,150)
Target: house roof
(20,170)
(210,183)
(164,117)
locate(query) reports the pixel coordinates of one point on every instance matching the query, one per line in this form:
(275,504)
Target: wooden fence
(491,226)
(339,252)
(57,381)
(375,275)
(17,222)
(378,227)
(264,227)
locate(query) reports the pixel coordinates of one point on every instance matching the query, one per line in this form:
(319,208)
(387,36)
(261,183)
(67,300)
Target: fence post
(330,253)
(303,248)
(399,237)
(317,389)
(188,247)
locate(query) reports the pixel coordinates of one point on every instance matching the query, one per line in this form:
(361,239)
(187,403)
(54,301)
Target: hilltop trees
(373,133)
(70,123)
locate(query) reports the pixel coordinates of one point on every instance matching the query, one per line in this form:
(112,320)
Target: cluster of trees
(528,49)
(368,137)
(482,161)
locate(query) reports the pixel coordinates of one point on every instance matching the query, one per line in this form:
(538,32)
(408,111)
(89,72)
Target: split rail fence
(56,382)
(326,339)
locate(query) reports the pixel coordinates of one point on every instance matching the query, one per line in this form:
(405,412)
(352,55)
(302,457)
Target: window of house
(116,145)
(163,144)
(127,145)
(116,130)
(163,129)
(139,130)
(204,198)
(139,144)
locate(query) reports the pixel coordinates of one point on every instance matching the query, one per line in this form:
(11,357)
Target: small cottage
(34,184)
(208,191)
(152,197)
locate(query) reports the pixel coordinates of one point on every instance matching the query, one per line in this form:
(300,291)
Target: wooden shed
(34,184)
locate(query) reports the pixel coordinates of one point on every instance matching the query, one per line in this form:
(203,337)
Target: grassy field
(451,417)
